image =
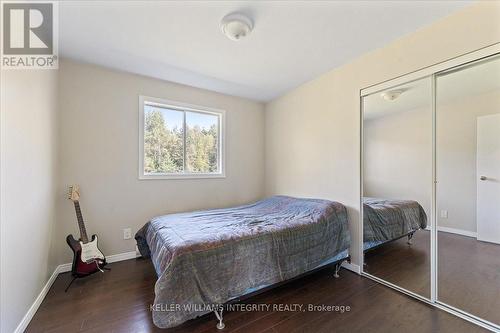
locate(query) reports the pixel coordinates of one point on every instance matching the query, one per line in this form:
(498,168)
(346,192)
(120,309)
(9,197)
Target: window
(179,140)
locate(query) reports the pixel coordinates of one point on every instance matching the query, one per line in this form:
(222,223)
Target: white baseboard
(36,304)
(122,256)
(62,269)
(109,259)
(352,267)
(458,231)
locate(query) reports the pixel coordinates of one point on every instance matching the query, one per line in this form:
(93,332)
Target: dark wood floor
(469,275)
(468,272)
(118,301)
(405,265)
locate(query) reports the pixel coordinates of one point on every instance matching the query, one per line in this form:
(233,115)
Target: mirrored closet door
(397,169)
(430,185)
(468,188)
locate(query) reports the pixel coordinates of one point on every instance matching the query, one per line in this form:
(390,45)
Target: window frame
(184,107)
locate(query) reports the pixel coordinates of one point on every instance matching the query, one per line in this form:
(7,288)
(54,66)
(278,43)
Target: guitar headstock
(74,193)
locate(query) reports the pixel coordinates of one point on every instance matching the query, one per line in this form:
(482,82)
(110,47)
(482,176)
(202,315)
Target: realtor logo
(28,34)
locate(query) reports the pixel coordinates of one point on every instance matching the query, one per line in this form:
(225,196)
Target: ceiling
(453,86)
(292,41)
(415,95)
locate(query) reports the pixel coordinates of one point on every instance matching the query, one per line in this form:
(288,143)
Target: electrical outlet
(444,214)
(127,233)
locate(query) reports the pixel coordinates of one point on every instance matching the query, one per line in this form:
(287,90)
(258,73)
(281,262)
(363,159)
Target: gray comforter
(213,256)
(385,220)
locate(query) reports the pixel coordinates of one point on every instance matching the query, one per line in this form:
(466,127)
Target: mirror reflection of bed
(396,243)
(397,152)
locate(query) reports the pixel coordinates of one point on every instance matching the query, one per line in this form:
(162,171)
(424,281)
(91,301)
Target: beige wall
(456,144)
(398,157)
(312,149)
(312,133)
(28,175)
(99,150)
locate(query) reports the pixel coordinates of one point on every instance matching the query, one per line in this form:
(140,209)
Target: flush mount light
(236,26)
(391,94)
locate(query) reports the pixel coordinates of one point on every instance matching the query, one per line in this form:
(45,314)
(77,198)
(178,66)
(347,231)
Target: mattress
(385,220)
(210,257)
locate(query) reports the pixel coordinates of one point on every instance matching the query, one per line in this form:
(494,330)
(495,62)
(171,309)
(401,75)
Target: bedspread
(385,220)
(213,256)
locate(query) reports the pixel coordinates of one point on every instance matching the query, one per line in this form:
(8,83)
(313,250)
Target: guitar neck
(81,225)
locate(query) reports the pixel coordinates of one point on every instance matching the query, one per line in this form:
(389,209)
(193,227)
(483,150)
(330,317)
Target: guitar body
(87,258)
(87,264)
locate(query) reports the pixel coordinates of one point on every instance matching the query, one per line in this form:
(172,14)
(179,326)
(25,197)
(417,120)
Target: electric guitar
(87,258)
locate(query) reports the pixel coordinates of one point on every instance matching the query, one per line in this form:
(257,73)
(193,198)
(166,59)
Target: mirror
(468,188)
(397,185)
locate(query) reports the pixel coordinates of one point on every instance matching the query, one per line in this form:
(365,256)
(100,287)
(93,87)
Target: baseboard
(352,267)
(458,231)
(62,269)
(109,259)
(455,231)
(122,256)
(36,304)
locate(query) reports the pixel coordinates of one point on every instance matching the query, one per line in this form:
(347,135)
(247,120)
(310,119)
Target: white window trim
(182,107)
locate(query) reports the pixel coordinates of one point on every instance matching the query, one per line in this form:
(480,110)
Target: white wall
(99,150)
(28,174)
(312,132)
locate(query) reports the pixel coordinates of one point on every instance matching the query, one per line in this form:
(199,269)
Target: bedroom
(251,122)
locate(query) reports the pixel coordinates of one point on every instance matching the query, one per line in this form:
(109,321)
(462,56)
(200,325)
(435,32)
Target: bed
(385,220)
(212,257)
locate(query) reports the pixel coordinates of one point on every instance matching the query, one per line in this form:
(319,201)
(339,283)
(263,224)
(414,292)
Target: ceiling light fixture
(236,26)
(391,94)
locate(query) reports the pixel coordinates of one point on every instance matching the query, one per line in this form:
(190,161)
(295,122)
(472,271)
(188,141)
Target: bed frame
(409,241)
(337,264)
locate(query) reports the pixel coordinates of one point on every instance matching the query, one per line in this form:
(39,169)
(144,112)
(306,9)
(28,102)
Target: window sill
(182,176)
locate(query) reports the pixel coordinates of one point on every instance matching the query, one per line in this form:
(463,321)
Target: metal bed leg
(220,324)
(409,241)
(337,269)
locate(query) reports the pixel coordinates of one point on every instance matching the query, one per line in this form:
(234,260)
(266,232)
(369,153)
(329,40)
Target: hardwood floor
(468,272)
(404,265)
(469,275)
(118,301)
